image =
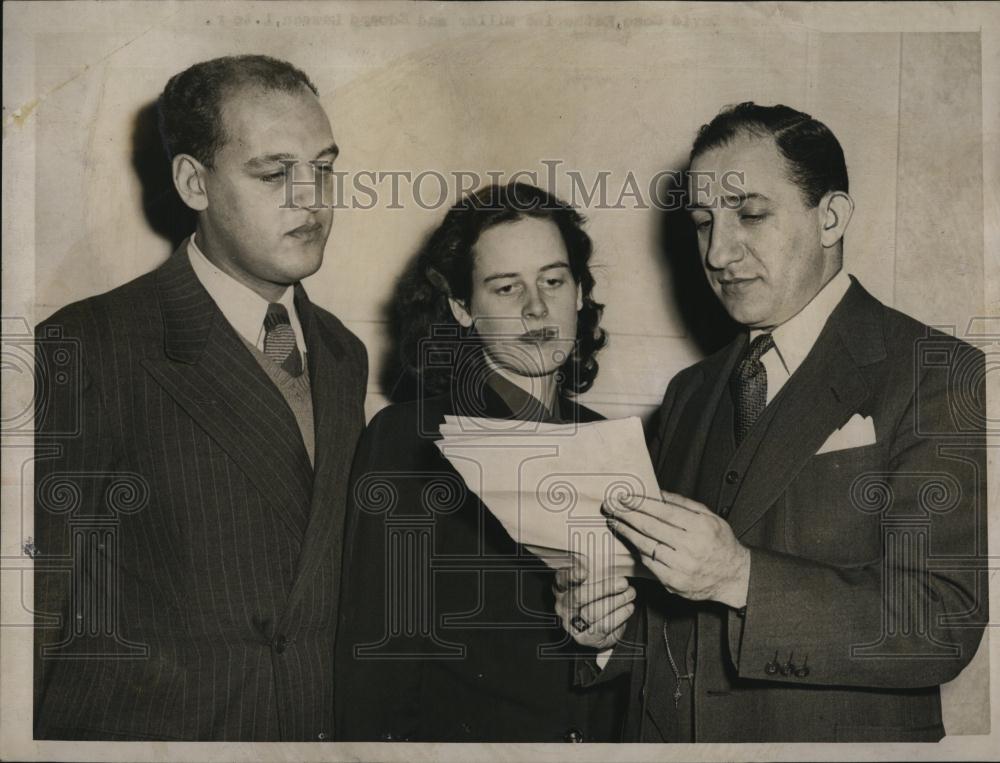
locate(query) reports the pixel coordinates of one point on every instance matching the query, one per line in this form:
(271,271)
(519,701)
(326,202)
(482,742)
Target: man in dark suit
(195,431)
(819,543)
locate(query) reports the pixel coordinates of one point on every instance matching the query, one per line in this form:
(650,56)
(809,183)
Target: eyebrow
(742,198)
(550,266)
(333,150)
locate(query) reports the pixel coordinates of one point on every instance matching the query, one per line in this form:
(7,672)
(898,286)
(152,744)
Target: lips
(306,231)
(735,284)
(540,335)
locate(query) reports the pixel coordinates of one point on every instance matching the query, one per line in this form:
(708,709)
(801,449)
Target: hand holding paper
(594,612)
(546,483)
(691,550)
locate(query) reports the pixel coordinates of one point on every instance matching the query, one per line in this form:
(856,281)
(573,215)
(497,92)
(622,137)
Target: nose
(724,247)
(534,306)
(308,191)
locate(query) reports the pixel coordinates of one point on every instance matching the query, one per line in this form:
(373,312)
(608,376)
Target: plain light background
(502,87)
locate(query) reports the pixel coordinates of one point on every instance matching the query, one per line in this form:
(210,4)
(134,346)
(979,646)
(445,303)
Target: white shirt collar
(242,306)
(794,339)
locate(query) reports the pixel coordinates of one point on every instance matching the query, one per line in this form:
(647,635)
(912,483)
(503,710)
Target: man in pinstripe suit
(195,429)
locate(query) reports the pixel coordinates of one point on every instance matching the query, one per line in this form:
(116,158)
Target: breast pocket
(827,516)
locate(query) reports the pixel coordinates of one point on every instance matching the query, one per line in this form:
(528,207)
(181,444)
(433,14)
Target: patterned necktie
(279,340)
(749,385)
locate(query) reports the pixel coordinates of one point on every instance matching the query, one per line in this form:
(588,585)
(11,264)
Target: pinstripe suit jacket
(188,552)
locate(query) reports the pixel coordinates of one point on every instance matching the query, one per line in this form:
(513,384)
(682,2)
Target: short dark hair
(814,156)
(443,269)
(190,107)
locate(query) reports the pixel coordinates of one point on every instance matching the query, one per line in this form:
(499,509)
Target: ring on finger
(579,624)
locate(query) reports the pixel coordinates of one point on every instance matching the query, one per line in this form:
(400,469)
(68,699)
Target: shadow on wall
(704,318)
(166,214)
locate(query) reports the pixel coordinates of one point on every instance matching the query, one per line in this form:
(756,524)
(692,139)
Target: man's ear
(460,312)
(189,180)
(836,208)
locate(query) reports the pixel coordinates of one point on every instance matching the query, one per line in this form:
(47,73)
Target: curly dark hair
(443,269)
(190,107)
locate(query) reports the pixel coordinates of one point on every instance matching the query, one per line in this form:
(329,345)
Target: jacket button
(321,736)
(731,476)
(804,670)
(771,668)
(280,644)
(574,735)
(724,511)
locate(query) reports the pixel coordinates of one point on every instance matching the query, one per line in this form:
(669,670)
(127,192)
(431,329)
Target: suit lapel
(679,459)
(209,372)
(820,396)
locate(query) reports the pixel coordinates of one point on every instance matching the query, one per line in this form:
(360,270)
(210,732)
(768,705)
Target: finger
(588,593)
(617,501)
(623,502)
(632,500)
(656,529)
(670,577)
(597,611)
(665,564)
(681,517)
(670,567)
(566,577)
(651,505)
(561,582)
(675,499)
(642,543)
(610,626)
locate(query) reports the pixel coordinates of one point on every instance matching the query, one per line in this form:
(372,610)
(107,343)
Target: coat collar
(691,414)
(476,391)
(217,381)
(188,311)
(211,374)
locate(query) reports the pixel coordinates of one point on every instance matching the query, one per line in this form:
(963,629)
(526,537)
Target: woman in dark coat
(447,629)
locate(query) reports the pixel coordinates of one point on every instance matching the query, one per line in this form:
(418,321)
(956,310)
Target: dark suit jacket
(189,553)
(447,631)
(867,578)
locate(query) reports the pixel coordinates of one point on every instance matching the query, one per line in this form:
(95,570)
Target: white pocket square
(856,433)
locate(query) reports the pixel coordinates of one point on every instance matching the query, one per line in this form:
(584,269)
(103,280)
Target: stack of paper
(546,483)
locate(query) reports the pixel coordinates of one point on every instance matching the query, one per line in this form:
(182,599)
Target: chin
(550,363)
(302,264)
(742,313)
(537,373)
(523,361)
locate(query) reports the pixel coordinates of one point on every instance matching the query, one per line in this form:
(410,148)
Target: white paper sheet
(545,483)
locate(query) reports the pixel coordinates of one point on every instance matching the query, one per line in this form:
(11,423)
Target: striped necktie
(279,340)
